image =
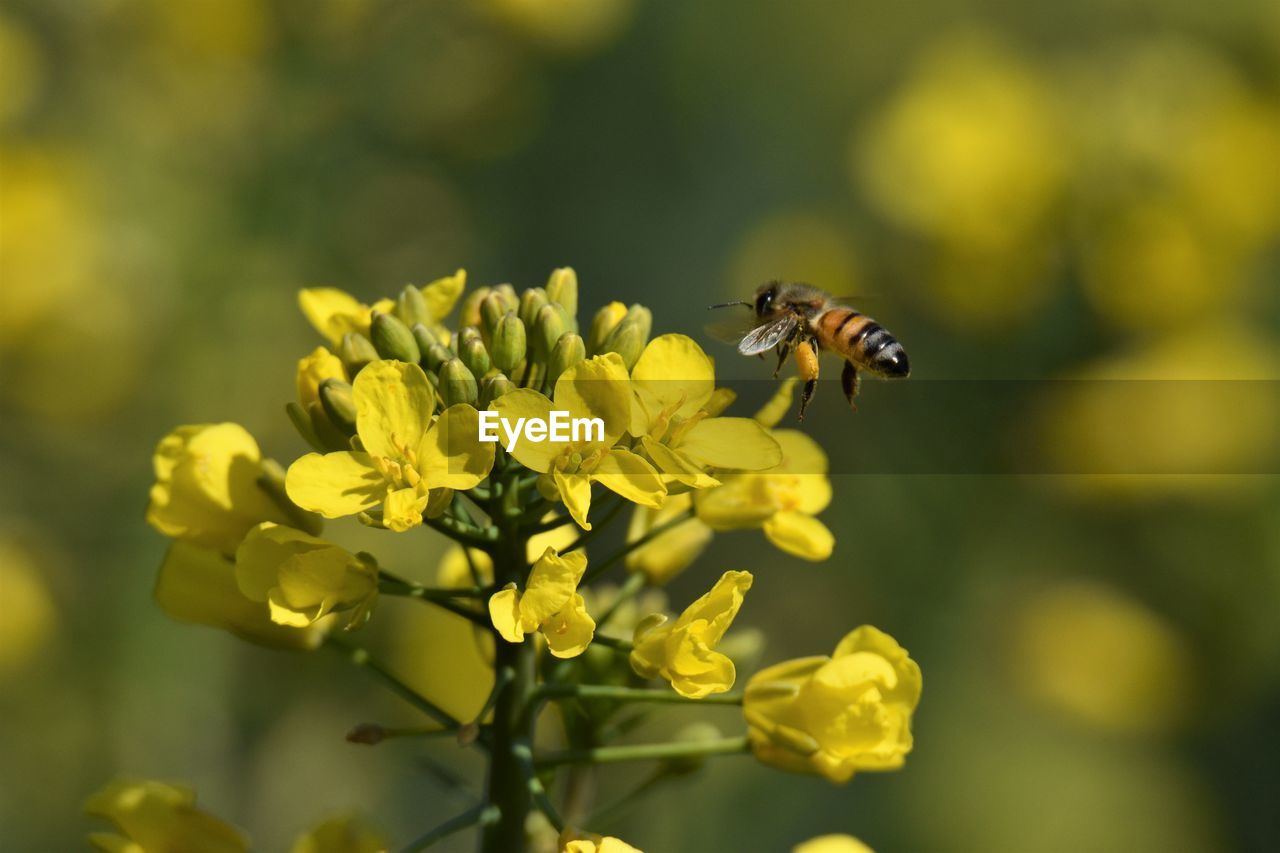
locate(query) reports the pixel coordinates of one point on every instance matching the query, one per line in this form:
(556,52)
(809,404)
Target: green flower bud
(642,317)
(356,351)
(605,321)
(437,355)
(474,355)
(467,333)
(492,310)
(568,351)
(562,288)
(302,423)
(469,314)
(424,337)
(508,294)
(550,326)
(494,387)
(531,302)
(457,384)
(628,342)
(411,306)
(509,343)
(339,405)
(392,338)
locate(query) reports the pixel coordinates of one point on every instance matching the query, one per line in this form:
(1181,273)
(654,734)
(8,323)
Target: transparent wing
(768,336)
(731,330)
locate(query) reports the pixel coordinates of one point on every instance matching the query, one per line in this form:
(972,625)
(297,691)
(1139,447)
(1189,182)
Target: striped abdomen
(862,341)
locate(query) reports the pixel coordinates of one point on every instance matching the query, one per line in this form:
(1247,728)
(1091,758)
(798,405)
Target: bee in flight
(802,319)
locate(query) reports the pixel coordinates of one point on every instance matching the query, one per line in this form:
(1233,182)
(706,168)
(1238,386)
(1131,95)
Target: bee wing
(731,330)
(768,336)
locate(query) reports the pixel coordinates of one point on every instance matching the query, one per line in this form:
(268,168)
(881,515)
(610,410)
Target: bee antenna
(729,304)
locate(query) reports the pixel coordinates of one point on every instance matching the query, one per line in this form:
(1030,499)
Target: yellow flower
(832,844)
(596,388)
(573,841)
(153,817)
(199,585)
(314,369)
(674,381)
(550,603)
(836,715)
(335,313)
(683,652)
(302,578)
(206,490)
(670,552)
(342,834)
(404,455)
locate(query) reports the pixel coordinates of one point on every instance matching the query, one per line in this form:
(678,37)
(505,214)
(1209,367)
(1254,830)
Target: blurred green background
(1020,191)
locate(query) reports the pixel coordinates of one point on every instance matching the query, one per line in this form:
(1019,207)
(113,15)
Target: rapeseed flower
(153,817)
(550,604)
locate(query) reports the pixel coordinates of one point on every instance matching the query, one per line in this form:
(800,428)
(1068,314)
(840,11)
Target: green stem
(360,657)
(459,531)
(654,532)
(616,643)
(645,752)
(596,527)
(631,694)
(481,814)
(446,602)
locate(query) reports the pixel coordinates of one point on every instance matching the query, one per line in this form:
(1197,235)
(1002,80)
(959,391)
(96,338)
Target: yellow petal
(342,834)
(624,473)
(800,535)
(675,465)
(597,388)
(716,609)
(868,638)
(735,443)
(333,312)
(402,510)
(675,374)
(394,405)
(442,293)
(527,404)
(452,454)
(800,453)
(745,500)
(776,407)
(551,586)
(696,670)
(160,817)
(665,556)
(504,613)
(569,631)
(575,491)
(832,844)
(314,369)
(335,484)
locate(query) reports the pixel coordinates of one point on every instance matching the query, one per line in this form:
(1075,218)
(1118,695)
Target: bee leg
(807,363)
(849,381)
(784,350)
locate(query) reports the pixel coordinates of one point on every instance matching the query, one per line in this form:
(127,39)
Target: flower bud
(339,405)
(469,313)
(474,355)
(392,338)
(531,302)
(627,340)
(547,331)
(492,310)
(642,317)
(411,306)
(606,319)
(494,387)
(467,333)
(508,294)
(437,355)
(424,337)
(356,351)
(568,351)
(457,384)
(509,343)
(562,288)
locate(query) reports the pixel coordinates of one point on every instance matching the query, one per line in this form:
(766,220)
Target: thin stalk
(446,602)
(634,583)
(596,527)
(645,752)
(631,694)
(360,657)
(481,814)
(603,566)
(616,643)
(459,531)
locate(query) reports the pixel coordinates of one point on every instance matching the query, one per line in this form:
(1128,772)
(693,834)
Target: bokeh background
(1024,192)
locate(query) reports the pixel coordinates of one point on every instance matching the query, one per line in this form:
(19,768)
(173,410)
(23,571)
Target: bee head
(765,297)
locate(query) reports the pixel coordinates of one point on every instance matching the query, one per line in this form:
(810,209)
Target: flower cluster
(391,407)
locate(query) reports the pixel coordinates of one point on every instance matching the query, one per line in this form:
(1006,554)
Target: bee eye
(764,302)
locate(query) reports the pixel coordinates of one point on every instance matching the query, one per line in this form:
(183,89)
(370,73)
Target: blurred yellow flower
(314,369)
(405,454)
(566,25)
(832,844)
(670,552)
(550,603)
(673,381)
(206,490)
(809,245)
(342,834)
(836,715)
(302,579)
(29,612)
(199,585)
(153,817)
(22,69)
(683,652)
(596,388)
(1087,649)
(572,841)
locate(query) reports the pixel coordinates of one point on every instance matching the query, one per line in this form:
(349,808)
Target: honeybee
(800,319)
